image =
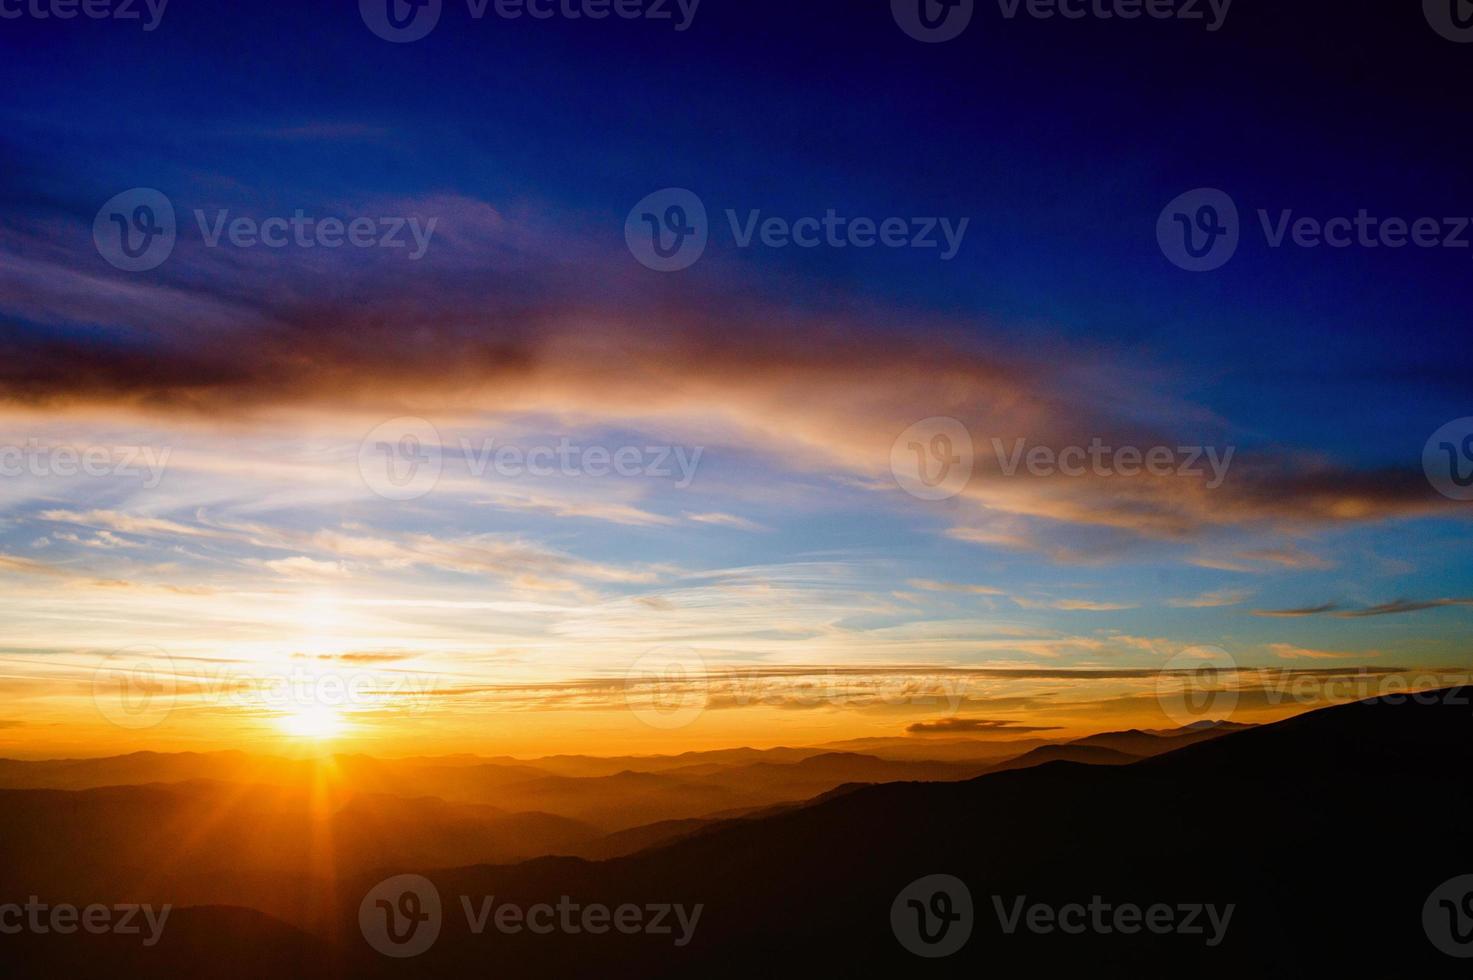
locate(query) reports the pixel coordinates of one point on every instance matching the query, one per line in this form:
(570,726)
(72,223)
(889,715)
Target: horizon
(395,415)
(731,487)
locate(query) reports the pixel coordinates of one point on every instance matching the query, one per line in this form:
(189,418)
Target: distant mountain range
(1325,834)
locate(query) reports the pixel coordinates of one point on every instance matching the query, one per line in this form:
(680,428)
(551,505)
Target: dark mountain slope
(1326,833)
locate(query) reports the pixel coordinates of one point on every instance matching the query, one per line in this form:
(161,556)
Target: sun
(312,721)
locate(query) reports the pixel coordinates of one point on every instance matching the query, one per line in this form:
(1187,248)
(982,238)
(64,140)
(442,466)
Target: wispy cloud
(931,585)
(726,520)
(967,726)
(1294,613)
(1212,600)
(1288,651)
(1073,605)
(1384,609)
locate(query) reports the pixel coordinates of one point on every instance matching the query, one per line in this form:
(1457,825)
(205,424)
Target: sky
(463,479)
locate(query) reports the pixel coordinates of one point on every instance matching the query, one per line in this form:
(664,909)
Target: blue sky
(793,370)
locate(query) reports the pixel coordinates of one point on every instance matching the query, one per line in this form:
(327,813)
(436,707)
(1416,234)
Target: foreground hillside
(1325,835)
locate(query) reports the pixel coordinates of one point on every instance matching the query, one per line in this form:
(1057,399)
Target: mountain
(1318,841)
(209,839)
(932,749)
(1154,742)
(1320,831)
(1090,755)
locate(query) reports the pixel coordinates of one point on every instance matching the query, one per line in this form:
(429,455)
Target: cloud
(1293,613)
(563,329)
(726,520)
(1072,605)
(26,566)
(125,523)
(929,585)
(303,568)
(501,556)
(962,726)
(1287,651)
(102,539)
(1287,557)
(1403,606)
(368,658)
(603,510)
(1385,609)
(1212,600)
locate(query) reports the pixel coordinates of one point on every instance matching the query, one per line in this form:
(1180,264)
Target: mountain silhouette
(1325,834)
(1320,831)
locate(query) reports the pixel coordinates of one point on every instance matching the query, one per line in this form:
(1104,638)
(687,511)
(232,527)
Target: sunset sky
(765,537)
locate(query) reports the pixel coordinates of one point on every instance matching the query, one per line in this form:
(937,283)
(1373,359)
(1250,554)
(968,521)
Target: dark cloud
(568,329)
(962,726)
(1305,611)
(1384,609)
(1402,606)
